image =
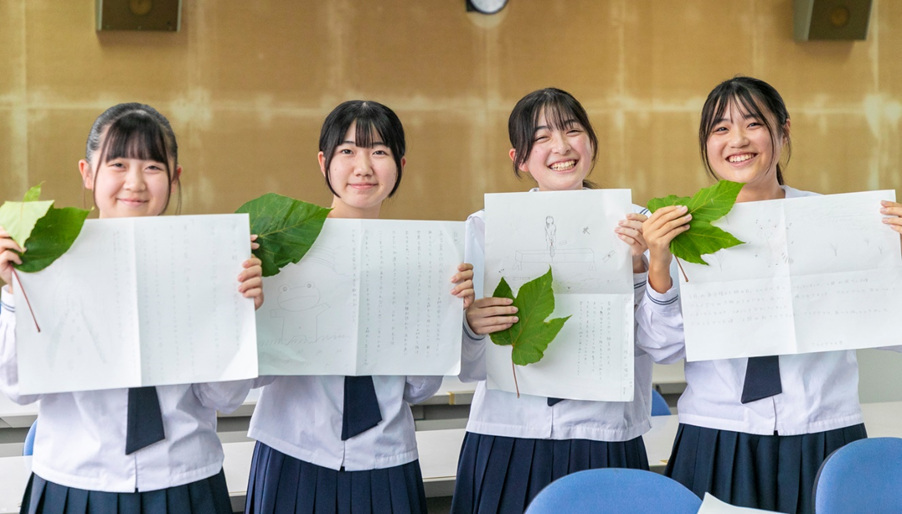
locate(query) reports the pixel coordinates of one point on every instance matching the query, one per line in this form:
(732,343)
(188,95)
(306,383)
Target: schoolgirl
(753,432)
(516,446)
(321,447)
(85,459)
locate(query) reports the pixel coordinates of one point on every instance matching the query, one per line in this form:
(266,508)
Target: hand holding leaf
(43,230)
(286,228)
(530,336)
(707,205)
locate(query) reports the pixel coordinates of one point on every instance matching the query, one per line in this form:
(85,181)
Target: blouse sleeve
(659,325)
(472,358)
(225,397)
(9,364)
(418,389)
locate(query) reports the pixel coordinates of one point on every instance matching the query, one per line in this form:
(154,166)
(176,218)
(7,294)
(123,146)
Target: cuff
(7,300)
(669,298)
(472,335)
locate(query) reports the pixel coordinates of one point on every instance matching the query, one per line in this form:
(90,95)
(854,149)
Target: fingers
(488,315)
(254,243)
(9,256)
(251,281)
(629,230)
(893,212)
(664,225)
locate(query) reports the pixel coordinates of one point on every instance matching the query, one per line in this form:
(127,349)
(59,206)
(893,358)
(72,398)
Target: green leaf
(52,236)
(286,228)
(707,205)
(19,218)
(531,335)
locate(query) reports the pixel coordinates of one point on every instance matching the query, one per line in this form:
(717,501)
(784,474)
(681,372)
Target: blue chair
(615,490)
(862,476)
(29,440)
(659,405)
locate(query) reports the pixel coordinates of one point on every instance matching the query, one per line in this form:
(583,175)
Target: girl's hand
(629,230)
(464,284)
(659,230)
(893,212)
(8,257)
(251,280)
(488,315)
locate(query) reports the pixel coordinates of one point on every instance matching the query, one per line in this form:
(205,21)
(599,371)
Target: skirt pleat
(206,496)
(503,474)
(279,483)
(770,472)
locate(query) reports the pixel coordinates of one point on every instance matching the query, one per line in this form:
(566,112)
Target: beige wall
(246,85)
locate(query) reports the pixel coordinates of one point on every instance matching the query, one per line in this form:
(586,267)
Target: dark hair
(135,131)
(560,109)
(372,118)
(755,97)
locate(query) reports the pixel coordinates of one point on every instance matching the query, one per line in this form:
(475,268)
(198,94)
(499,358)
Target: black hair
(561,110)
(135,131)
(755,97)
(372,119)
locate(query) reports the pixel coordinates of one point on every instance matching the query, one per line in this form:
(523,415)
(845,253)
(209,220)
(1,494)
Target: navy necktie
(762,378)
(554,401)
(361,407)
(145,421)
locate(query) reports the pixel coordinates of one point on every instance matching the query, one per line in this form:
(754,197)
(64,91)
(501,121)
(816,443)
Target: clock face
(140,7)
(488,6)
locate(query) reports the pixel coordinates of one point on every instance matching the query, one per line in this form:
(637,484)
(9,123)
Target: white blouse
(301,416)
(80,438)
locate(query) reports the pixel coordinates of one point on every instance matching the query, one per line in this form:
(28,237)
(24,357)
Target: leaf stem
(516,385)
(27,301)
(681,268)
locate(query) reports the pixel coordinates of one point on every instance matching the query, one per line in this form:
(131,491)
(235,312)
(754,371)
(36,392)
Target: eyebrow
(349,142)
(566,124)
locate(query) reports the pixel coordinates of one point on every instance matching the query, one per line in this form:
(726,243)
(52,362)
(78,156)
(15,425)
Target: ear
(513,155)
(87,176)
(403,163)
(321,157)
(786,128)
(175,179)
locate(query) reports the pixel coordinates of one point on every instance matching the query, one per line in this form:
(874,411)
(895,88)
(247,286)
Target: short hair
(135,131)
(372,118)
(560,108)
(757,98)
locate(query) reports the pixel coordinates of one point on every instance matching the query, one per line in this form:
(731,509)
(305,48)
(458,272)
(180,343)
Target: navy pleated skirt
(207,496)
(771,472)
(503,474)
(279,483)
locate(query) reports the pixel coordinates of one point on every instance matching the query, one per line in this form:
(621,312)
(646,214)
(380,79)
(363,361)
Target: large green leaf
(52,236)
(707,205)
(531,335)
(19,218)
(286,229)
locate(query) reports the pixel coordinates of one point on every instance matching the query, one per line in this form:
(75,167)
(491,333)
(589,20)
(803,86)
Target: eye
(344,151)
(380,152)
(155,168)
(719,130)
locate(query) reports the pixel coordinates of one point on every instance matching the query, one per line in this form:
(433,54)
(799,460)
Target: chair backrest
(28,449)
(862,476)
(659,405)
(615,490)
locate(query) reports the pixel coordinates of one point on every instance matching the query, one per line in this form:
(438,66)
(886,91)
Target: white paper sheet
(573,232)
(371,297)
(816,273)
(712,505)
(139,301)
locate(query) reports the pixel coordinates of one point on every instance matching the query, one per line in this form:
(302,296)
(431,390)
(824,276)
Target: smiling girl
(321,447)
(746,439)
(516,446)
(85,460)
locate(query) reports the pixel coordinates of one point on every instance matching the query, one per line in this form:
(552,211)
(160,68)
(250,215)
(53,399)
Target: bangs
(744,100)
(135,136)
(366,133)
(558,115)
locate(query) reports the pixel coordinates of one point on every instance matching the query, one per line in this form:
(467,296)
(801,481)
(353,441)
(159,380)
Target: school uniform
(80,465)
(765,453)
(514,447)
(301,463)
